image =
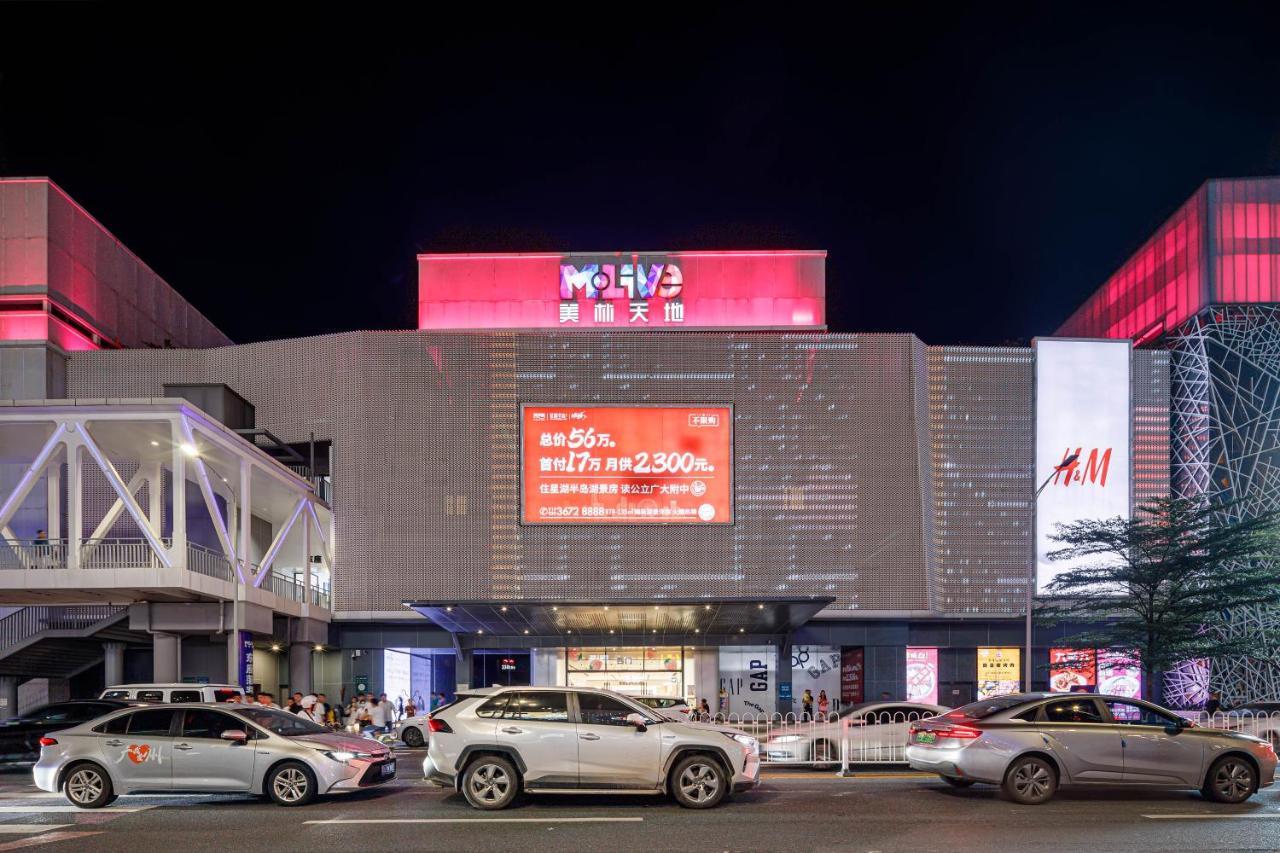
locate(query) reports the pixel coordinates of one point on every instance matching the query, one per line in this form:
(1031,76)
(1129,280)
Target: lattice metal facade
(1226,419)
(871,468)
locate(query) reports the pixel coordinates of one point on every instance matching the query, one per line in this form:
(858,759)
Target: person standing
(806,706)
(322,709)
(1214,705)
(381,715)
(824,705)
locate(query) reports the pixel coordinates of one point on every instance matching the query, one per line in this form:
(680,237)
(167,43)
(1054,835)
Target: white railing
(205,561)
(50,554)
(855,737)
(119,554)
(1263,724)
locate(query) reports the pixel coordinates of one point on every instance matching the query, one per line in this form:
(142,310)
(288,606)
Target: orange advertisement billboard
(599,464)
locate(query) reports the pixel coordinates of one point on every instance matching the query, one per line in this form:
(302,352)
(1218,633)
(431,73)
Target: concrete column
(300,668)
(166,658)
(463,675)
(75,503)
(113,663)
(8,696)
(53,483)
(179,513)
(244,526)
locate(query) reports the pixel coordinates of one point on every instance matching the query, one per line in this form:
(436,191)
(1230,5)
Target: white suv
(493,744)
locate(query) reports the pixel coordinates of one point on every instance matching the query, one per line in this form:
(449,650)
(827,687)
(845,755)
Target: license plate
(925,737)
(389,769)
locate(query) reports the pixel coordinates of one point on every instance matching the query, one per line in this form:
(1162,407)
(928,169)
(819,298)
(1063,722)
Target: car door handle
(589,737)
(114,742)
(512,730)
(183,746)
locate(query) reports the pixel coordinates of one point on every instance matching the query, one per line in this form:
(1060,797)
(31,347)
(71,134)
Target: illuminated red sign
(627,464)
(623,291)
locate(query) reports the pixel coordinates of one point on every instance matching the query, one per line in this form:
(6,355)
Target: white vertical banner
(1082,407)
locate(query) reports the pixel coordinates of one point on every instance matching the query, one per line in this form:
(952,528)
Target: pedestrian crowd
(363,712)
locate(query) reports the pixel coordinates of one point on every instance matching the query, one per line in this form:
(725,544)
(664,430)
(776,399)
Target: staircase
(59,641)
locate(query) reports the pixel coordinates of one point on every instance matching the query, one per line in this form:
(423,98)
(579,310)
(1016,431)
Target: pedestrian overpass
(154,506)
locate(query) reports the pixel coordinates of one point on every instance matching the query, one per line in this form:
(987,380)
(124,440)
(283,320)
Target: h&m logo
(1093,470)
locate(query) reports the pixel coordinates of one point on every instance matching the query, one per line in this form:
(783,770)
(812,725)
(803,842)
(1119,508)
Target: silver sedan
(207,748)
(1030,743)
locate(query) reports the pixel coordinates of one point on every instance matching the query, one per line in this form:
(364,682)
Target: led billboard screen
(626,464)
(1082,411)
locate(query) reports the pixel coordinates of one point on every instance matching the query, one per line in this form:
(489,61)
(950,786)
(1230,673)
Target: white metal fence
(853,738)
(880,737)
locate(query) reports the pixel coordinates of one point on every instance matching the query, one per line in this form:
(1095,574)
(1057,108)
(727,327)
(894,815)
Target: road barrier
(844,739)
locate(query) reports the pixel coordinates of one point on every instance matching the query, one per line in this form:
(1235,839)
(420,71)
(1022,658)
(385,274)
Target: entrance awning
(647,622)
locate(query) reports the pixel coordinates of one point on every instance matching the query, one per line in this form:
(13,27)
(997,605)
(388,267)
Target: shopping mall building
(653,471)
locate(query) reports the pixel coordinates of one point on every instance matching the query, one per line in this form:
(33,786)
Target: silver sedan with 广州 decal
(207,748)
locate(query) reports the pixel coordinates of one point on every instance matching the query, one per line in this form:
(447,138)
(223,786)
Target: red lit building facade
(1206,289)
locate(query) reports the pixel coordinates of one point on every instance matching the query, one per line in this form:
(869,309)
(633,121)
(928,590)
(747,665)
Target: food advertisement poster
(922,674)
(1119,673)
(999,672)
(1072,670)
(626,464)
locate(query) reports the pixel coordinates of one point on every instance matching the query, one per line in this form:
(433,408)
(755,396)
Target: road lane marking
(30,828)
(39,809)
(33,840)
(481,820)
(1263,816)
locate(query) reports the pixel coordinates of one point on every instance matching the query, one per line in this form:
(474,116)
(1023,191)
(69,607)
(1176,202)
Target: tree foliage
(1155,584)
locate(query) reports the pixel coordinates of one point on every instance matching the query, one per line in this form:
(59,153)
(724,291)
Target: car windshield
(987,707)
(280,722)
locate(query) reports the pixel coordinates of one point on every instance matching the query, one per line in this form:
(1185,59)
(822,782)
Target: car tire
(956,782)
(291,783)
(490,783)
(412,737)
(88,786)
(698,782)
(1231,779)
(1030,781)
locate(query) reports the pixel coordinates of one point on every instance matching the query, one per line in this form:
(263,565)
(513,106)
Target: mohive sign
(626,464)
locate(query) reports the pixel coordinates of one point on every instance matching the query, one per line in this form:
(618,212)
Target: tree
(1154,585)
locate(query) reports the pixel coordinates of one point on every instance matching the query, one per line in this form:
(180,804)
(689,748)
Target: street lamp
(1066,463)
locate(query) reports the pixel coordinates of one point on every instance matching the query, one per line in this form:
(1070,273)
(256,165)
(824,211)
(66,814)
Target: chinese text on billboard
(627,464)
(999,672)
(922,675)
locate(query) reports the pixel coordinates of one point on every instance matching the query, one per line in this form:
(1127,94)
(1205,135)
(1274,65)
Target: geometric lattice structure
(1206,287)
(1226,434)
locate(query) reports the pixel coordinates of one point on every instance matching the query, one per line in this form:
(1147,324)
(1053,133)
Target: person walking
(410,709)
(380,715)
(824,705)
(806,706)
(1214,705)
(704,711)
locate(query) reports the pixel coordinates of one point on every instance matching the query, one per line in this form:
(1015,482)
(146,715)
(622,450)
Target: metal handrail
(47,554)
(208,562)
(120,554)
(29,621)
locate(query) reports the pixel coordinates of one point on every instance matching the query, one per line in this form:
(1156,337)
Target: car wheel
(698,782)
(291,784)
(1231,779)
(957,783)
(490,782)
(88,786)
(1030,781)
(824,752)
(412,737)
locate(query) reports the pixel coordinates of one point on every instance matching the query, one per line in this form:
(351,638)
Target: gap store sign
(625,291)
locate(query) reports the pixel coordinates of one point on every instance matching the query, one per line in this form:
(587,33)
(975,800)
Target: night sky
(974,174)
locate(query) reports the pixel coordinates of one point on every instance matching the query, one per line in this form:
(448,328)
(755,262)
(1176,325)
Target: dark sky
(973,173)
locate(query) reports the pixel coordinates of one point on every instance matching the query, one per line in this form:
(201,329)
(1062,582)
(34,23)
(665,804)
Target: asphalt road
(789,811)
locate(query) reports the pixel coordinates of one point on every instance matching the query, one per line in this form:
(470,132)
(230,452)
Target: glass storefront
(633,670)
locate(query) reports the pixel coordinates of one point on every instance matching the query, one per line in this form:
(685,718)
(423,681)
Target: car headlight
(344,757)
(750,743)
(786,738)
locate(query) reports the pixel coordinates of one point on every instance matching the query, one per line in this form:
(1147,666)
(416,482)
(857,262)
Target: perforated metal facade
(891,476)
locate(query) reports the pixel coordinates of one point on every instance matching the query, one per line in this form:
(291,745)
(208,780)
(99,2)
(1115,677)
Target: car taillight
(960,732)
(48,741)
(438,725)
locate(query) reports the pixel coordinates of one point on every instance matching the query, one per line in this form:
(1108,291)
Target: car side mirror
(638,721)
(235,735)
(1174,728)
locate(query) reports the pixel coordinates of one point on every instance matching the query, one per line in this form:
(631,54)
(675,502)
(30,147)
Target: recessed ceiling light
(553,607)
(319,648)
(706,607)
(655,607)
(742,630)
(759,607)
(606,607)
(526,630)
(448,609)
(479,630)
(610,630)
(504,608)
(155,444)
(697,630)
